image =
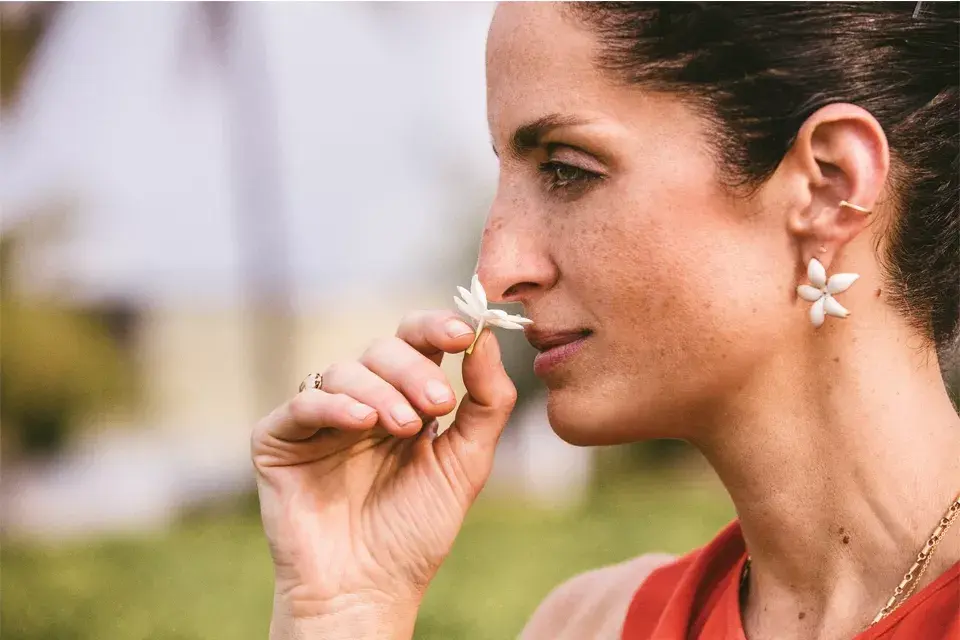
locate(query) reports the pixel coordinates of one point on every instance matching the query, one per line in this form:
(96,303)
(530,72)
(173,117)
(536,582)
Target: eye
(559,175)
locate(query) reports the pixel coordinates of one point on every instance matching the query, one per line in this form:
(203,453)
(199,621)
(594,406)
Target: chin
(588,422)
(594,416)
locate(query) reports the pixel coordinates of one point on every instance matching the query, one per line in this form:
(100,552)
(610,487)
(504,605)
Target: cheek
(682,286)
(681,320)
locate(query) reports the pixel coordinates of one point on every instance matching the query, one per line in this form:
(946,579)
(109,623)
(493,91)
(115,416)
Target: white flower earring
(822,291)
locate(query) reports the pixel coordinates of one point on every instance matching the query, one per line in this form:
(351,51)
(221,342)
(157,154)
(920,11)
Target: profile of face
(610,219)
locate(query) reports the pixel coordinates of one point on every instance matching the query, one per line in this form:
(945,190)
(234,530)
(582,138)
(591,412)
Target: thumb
(490,398)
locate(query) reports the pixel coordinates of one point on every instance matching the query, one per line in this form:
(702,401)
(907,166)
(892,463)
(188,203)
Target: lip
(555,348)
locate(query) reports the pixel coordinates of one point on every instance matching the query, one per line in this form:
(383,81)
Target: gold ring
(314,380)
(855,207)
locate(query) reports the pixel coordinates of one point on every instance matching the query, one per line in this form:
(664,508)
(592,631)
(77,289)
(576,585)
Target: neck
(839,470)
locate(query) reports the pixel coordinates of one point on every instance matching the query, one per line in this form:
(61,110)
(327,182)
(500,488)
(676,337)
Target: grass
(211,578)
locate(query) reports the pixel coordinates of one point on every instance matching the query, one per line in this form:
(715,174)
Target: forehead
(539,61)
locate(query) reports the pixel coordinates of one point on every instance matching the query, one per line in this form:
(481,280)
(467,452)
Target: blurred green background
(211,577)
(206,573)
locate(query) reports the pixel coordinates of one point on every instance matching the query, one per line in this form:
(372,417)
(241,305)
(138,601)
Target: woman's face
(610,220)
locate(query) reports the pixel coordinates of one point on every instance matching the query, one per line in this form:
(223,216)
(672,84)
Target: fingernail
(403,413)
(457,328)
(360,411)
(437,392)
(430,431)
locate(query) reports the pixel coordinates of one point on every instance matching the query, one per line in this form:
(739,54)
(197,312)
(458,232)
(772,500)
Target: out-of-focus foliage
(212,578)
(22,26)
(646,456)
(58,367)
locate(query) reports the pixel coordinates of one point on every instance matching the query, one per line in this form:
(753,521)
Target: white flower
(822,292)
(474,304)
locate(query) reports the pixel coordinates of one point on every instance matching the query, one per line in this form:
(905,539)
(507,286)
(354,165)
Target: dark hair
(758,70)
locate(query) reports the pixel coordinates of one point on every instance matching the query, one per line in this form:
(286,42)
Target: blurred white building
(380,119)
(356,135)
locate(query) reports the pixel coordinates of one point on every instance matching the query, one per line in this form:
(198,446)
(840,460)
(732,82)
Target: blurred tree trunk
(253,132)
(22,27)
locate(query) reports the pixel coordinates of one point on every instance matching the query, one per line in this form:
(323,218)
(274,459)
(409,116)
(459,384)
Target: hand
(360,499)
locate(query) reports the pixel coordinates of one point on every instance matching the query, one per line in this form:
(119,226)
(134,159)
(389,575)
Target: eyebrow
(527,137)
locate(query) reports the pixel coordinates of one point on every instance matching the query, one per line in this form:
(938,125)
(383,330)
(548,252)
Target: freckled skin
(611,216)
(686,287)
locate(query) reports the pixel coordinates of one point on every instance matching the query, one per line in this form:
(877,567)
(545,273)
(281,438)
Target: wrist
(351,618)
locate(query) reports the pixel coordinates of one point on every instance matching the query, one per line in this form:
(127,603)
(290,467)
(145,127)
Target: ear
(840,154)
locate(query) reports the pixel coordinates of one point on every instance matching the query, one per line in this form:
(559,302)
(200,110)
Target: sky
(369,119)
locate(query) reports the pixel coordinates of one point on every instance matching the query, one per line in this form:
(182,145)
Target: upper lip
(543,339)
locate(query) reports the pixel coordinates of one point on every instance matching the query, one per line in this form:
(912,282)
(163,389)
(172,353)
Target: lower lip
(552,358)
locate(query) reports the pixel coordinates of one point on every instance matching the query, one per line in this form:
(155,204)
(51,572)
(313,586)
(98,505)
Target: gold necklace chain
(911,578)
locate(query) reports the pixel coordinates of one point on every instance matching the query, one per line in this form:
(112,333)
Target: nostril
(517,291)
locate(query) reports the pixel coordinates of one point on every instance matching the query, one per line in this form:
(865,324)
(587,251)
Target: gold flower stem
(475,338)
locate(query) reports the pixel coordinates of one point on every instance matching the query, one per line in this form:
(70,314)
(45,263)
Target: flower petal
(465,308)
(840,282)
(478,293)
(816,313)
(503,324)
(808,293)
(471,302)
(816,273)
(503,315)
(834,308)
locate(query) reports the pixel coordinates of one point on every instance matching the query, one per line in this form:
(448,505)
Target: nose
(514,263)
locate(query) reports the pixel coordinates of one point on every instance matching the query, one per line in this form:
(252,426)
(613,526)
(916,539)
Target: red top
(697,598)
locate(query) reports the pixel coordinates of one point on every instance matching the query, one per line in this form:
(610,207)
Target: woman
(676,184)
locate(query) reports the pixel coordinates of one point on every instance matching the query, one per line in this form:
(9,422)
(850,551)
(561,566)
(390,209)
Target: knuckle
(259,431)
(378,348)
(418,374)
(507,397)
(386,395)
(305,407)
(433,370)
(341,374)
(410,319)
(260,440)
(435,320)
(332,371)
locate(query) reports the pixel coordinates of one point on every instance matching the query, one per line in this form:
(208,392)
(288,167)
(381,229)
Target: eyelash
(581,177)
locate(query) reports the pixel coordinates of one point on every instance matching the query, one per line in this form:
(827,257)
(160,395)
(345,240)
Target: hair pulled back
(758,70)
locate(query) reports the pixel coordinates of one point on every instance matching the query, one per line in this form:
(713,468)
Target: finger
(396,414)
(414,375)
(312,410)
(434,333)
(490,399)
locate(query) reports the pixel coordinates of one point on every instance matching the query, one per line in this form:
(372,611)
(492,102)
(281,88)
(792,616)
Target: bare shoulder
(592,604)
